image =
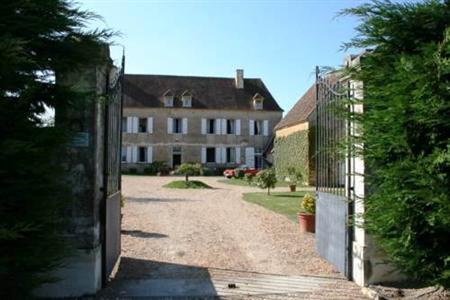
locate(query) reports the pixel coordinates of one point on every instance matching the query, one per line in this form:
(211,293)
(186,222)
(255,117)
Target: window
(177,126)
(142,126)
(211,125)
(210,155)
(124,124)
(258,101)
(186,98)
(123,154)
(258,127)
(258,104)
(231,155)
(168,98)
(231,129)
(142,154)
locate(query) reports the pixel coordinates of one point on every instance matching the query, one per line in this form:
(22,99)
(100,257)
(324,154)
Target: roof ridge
(189,76)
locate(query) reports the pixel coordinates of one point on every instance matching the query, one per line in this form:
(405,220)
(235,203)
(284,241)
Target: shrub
(295,176)
(238,173)
(157,167)
(190,169)
(249,178)
(308,204)
(405,130)
(266,179)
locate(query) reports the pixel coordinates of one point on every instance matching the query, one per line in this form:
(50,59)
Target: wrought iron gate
(112,178)
(333,208)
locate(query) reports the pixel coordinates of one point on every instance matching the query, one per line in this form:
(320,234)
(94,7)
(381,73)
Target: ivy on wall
(292,151)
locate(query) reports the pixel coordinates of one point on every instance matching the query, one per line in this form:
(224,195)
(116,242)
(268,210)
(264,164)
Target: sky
(279,41)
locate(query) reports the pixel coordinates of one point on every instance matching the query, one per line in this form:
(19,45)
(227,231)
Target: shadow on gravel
(143,234)
(147,200)
(149,278)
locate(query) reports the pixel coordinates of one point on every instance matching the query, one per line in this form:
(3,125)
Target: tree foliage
(266,179)
(190,169)
(405,130)
(38,39)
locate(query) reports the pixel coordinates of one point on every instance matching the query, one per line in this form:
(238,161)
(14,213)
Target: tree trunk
(187,177)
(268,191)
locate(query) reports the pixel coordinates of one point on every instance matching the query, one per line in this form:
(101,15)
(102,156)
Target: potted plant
(306,217)
(294,177)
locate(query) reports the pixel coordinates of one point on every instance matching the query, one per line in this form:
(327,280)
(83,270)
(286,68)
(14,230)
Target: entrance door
(176,160)
(176,157)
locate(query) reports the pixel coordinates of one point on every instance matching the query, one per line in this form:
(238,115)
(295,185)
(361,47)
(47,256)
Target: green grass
(285,203)
(242,182)
(183,184)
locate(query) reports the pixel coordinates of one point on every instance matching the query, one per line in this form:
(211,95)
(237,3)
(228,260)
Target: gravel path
(164,229)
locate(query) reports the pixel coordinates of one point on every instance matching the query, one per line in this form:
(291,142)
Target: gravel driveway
(212,228)
(171,233)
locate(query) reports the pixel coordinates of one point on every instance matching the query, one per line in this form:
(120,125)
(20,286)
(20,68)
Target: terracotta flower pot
(307,222)
(293,187)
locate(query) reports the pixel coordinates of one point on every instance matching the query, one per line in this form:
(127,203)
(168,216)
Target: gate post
(81,273)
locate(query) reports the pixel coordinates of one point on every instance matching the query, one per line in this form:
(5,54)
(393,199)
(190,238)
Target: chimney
(239,80)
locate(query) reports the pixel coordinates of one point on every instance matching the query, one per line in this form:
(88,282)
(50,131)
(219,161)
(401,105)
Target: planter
(293,187)
(307,222)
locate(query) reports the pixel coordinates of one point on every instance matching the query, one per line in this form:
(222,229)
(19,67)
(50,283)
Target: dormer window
(258,101)
(168,98)
(186,98)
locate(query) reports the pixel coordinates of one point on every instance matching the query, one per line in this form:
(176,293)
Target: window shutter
(150,125)
(129,154)
(129,124)
(250,157)
(218,126)
(266,127)
(203,155)
(203,126)
(224,155)
(251,127)
(238,155)
(135,124)
(149,154)
(185,126)
(218,155)
(134,154)
(224,127)
(238,127)
(169,125)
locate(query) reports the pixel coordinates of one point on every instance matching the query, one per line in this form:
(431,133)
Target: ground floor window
(123,154)
(231,155)
(258,158)
(142,154)
(210,155)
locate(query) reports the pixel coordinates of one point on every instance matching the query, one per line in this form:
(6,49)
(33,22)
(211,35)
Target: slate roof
(207,92)
(301,110)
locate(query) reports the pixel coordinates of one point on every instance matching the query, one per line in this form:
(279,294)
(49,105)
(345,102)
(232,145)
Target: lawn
(183,184)
(242,182)
(285,203)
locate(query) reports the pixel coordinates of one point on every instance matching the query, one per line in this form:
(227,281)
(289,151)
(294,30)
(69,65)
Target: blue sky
(278,41)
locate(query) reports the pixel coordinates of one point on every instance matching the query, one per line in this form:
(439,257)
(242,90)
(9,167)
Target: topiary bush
(266,179)
(405,130)
(190,169)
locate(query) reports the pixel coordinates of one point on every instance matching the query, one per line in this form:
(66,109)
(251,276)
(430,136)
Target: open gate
(112,176)
(333,209)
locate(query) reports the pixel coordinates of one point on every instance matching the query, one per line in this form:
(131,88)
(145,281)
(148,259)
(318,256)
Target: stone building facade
(218,122)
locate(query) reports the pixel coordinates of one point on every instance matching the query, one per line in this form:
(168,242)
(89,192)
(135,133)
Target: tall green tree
(405,130)
(38,39)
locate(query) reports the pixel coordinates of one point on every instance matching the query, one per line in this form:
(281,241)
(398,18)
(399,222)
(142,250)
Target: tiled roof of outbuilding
(207,92)
(301,110)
